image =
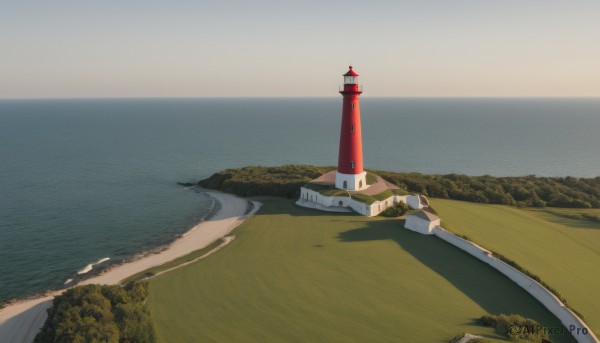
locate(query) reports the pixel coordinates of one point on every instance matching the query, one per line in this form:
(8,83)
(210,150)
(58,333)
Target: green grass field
(564,252)
(295,274)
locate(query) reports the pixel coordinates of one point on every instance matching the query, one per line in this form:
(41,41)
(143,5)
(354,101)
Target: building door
(345,185)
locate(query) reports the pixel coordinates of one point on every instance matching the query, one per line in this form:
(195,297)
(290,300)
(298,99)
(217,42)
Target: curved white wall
(570,320)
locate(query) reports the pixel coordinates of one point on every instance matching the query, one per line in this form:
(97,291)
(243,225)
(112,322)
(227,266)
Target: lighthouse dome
(351,72)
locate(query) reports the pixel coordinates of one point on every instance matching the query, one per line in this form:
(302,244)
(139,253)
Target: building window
(360,184)
(341,203)
(345,185)
(352,128)
(352,107)
(351,164)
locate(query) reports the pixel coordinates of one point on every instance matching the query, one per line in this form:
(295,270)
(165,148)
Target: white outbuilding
(422,222)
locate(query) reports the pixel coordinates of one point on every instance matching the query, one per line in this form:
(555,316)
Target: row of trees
(284,181)
(531,191)
(95,313)
(517,191)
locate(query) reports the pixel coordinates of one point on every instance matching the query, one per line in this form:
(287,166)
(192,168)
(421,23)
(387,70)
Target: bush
(487,320)
(95,313)
(515,327)
(397,210)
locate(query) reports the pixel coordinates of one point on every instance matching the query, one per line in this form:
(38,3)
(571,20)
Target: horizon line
(294,97)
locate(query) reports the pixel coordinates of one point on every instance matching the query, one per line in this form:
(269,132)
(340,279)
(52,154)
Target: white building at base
(322,194)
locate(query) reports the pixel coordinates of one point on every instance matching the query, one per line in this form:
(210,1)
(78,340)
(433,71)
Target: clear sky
(146,48)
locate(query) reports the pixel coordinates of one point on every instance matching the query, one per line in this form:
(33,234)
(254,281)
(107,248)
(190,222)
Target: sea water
(85,180)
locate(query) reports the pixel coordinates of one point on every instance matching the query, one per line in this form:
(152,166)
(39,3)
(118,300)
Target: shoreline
(215,207)
(76,279)
(20,321)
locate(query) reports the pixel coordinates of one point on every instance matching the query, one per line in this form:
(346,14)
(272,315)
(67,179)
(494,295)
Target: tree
(94,313)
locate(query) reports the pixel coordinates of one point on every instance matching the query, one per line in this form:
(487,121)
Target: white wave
(101,260)
(68,281)
(89,267)
(85,269)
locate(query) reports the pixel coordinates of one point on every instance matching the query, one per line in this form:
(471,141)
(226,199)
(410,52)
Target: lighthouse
(350,174)
(346,189)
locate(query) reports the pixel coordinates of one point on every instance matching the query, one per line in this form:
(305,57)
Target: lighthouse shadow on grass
(491,290)
(459,268)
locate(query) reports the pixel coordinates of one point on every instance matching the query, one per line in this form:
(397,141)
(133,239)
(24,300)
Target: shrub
(397,210)
(515,327)
(95,313)
(487,320)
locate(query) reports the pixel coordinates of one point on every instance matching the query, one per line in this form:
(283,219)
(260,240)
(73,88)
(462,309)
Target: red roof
(351,72)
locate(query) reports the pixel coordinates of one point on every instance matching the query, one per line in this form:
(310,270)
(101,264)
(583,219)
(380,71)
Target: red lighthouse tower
(350,174)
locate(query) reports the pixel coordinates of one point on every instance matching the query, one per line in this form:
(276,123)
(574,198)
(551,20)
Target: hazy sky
(129,48)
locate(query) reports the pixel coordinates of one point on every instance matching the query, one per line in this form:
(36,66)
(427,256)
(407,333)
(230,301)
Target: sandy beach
(20,322)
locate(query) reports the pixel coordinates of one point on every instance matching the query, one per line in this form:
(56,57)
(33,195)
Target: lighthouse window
(351,164)
(352,128)
(352,107)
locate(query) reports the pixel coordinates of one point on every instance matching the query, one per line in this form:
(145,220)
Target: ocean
(82,180)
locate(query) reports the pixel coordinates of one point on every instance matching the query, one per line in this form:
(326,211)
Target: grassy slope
(564,252)
(295,274)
